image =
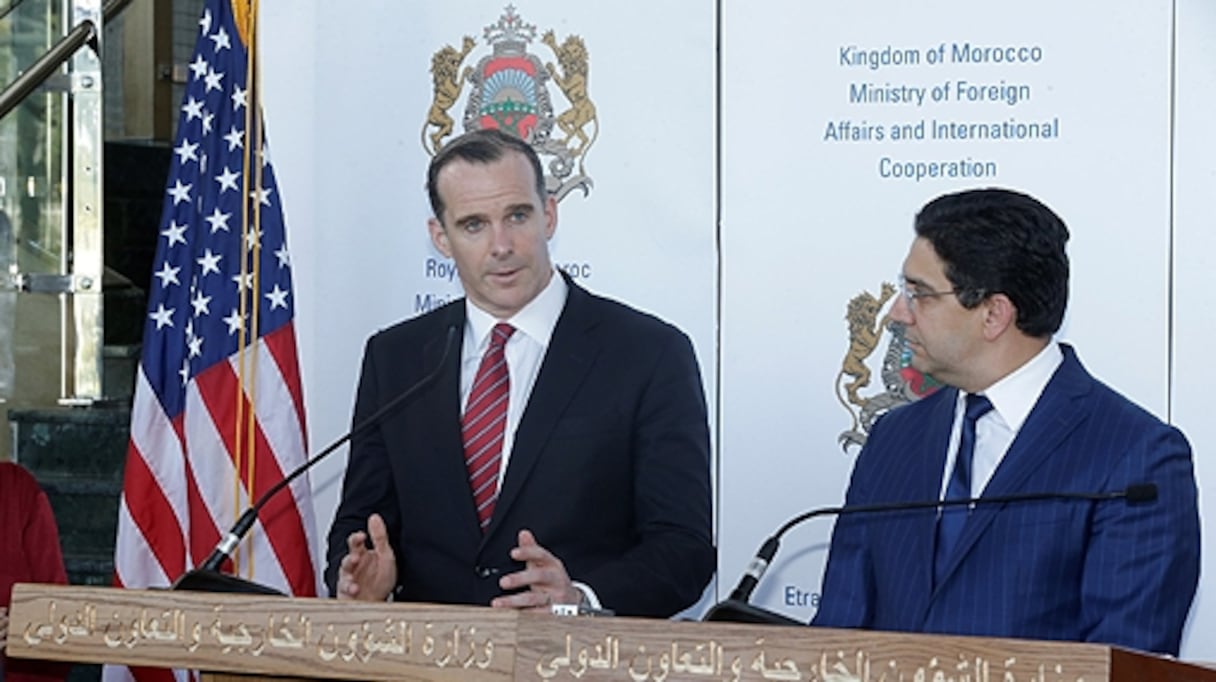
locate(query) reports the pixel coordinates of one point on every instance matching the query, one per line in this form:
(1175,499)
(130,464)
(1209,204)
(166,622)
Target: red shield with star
(509,100)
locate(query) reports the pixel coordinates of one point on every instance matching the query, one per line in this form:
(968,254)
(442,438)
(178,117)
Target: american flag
(218,414)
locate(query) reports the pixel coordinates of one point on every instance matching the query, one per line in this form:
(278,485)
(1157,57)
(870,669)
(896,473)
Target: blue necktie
(950,525)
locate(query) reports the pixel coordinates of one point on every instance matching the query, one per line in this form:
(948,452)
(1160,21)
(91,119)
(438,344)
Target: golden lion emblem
(865,332)
(448,82)
(572,79)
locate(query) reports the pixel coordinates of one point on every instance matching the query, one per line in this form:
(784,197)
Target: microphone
(207,577)
(736,607)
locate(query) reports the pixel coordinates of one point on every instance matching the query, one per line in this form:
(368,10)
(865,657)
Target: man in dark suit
(563,459)
(985,288)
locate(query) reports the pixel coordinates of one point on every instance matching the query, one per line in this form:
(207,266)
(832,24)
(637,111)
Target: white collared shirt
(1013,397)
(525,351)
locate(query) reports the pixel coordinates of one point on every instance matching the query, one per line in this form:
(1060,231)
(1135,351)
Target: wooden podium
(238,636)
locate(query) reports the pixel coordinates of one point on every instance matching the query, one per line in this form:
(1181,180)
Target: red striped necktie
(484,423)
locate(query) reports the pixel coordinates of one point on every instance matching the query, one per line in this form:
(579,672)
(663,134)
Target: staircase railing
(80,284)
(83,33)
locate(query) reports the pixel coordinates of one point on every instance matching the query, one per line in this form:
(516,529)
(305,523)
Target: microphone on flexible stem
(208,578)
(737,609)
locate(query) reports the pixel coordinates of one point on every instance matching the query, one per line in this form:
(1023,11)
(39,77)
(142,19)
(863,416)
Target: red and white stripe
(183,490)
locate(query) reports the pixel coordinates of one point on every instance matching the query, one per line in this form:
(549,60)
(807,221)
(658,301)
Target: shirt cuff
(589,597)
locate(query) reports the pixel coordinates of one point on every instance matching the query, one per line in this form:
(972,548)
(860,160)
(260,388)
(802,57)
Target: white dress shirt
(1013,397)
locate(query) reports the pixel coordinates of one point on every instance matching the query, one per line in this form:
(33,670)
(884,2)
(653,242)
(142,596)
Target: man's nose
(901,310)
(502,241)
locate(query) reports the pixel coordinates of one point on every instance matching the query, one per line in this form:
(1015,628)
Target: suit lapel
(1059,410)
(444,415)
(571,353)
(927,474)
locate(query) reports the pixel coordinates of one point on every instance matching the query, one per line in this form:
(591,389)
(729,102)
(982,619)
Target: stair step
(84,443)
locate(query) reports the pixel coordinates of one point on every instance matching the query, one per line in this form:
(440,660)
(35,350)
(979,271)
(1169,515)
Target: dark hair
(479,146)
(999,241)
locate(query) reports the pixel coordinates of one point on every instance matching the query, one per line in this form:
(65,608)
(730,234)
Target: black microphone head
(1141,493)
(732,611)
(203,580)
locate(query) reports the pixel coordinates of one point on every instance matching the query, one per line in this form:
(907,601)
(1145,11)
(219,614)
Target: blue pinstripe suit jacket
(1102,572)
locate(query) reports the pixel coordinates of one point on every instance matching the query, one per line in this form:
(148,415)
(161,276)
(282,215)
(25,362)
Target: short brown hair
(480,146)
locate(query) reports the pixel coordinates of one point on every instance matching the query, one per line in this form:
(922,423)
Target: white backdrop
(806,223)
(1194,311)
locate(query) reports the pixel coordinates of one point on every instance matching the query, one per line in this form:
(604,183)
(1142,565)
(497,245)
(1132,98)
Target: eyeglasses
(912,295)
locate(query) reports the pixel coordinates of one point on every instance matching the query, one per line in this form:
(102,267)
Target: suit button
(485,572)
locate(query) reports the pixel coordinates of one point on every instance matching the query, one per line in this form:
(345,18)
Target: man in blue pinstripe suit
(985,288)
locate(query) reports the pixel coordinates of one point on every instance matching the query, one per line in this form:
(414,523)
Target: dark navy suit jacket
(1105,572)
(609,467)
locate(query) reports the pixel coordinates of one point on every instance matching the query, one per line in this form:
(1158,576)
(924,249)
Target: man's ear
(550,217)
(439,236)
(1000,314)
